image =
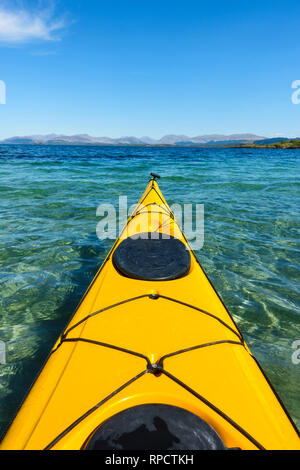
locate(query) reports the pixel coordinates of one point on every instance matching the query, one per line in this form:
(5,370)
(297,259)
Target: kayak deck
(135,341)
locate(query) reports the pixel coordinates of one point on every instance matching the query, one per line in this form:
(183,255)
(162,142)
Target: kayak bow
(151,359)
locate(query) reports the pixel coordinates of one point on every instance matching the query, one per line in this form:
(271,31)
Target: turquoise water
(49,250)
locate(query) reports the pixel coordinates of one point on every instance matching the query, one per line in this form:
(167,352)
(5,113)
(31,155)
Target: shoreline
(229,146)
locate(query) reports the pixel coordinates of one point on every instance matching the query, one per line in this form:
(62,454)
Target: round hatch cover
(155,427)
(152,259)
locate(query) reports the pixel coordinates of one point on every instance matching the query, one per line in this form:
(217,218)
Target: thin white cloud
(19,25)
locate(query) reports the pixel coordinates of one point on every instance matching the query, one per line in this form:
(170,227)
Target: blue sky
(149,67)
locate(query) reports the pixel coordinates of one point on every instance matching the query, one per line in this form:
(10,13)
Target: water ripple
(49,250)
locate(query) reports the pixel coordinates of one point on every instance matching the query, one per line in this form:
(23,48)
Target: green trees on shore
(284,144)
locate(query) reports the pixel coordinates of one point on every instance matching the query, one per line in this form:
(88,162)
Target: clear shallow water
(49,250)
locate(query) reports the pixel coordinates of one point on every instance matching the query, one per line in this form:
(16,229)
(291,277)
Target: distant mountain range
(177,140)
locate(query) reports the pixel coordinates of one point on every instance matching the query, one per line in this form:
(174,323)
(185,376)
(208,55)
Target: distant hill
(272,144)
(274,140)
(180,140)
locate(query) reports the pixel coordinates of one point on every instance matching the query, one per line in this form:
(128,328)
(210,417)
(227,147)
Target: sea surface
(49,250)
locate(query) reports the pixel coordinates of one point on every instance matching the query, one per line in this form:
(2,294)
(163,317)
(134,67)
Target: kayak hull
(133,342)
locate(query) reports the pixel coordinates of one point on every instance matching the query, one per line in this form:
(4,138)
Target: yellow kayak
(151,359)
